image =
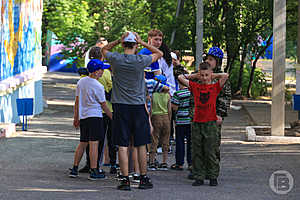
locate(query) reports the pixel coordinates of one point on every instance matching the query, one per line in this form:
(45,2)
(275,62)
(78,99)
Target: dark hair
(178,54)
(101,40)
(129,45)
(218,60)
(167,53)
(204,66)
(95,53)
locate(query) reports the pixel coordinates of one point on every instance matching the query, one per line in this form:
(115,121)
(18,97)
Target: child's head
(96,67)
(155,37)
(101,42)
(129,41)
(95,53)
(205,72)
(214,57)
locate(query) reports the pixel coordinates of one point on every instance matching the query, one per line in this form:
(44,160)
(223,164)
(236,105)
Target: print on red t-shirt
(205,97)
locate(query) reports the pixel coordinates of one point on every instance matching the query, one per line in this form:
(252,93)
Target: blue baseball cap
(162,79)
(95,65)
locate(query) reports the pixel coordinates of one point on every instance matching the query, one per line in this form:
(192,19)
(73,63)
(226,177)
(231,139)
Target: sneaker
(152,167)
(170,150)
(117,166)
(213,182)
(101,171)
(118,176)
(163,167)
(73,173)
(124,184)
(136,178)
(85,169)
(96,175)
(113,170)
(176,167)
(198,183)
(145,183)
(190,167)
(191,176)
(159,150)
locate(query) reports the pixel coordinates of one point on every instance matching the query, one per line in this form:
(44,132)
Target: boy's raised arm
(156,53)
(222,77)
(184,78)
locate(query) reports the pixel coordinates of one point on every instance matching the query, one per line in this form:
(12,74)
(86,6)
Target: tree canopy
(235,26)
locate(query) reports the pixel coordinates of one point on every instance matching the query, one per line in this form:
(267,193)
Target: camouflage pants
(205,144)
(219,142)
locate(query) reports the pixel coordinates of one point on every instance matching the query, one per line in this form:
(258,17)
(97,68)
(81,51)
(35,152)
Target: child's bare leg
(79,152)
(93,153)
(135,160)
(123,160)
(142,158)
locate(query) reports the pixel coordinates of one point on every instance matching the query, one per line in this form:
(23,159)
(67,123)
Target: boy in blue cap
(89,102)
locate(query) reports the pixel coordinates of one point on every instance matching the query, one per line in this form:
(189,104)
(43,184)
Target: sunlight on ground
(58,190)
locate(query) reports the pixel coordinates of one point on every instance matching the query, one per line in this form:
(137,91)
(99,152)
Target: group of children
(200,104)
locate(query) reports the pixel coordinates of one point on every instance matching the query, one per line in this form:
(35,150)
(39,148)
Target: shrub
(259,84)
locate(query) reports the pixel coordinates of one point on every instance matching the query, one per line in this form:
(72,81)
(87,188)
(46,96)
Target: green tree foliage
(232,25)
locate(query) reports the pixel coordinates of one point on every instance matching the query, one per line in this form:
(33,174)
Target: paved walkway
(260,112)
(34,164)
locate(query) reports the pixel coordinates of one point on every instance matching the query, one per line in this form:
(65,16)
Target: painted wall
(20,56)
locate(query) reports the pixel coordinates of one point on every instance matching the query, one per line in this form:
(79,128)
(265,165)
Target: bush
(259,84)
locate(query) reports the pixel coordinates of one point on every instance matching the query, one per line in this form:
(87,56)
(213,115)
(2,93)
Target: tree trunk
(240,81)
(199,33)
(180,5)
(260,53)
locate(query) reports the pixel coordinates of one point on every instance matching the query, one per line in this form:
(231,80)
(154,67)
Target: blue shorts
(91,129)
(130,121)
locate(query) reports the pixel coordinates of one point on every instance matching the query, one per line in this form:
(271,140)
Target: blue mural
(20,42)
(20,56)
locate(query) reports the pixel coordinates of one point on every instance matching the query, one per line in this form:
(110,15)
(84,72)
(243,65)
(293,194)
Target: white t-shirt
(90,93)
(168,72)
(86,58)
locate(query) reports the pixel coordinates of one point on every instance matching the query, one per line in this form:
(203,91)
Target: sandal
(176,167)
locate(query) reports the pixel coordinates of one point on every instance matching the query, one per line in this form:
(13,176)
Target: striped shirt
(152,86)
(181,98)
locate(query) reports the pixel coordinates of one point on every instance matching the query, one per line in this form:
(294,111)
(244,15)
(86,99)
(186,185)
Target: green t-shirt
(160,103)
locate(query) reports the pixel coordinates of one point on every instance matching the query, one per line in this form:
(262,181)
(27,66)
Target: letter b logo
(281,182)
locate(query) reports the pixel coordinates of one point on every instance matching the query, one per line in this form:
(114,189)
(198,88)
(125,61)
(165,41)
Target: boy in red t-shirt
(204,127)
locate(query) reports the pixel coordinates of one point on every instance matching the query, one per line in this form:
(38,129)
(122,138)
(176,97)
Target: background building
(20,56)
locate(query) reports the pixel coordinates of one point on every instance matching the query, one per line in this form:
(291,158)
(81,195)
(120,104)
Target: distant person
(160,119)
(99,43)
(105,80)
(128,97)
(204,128)
(181,107)
(89,103)
(214,57)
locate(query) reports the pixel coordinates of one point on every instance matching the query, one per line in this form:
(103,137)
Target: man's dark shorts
(91,129)
(130,121)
